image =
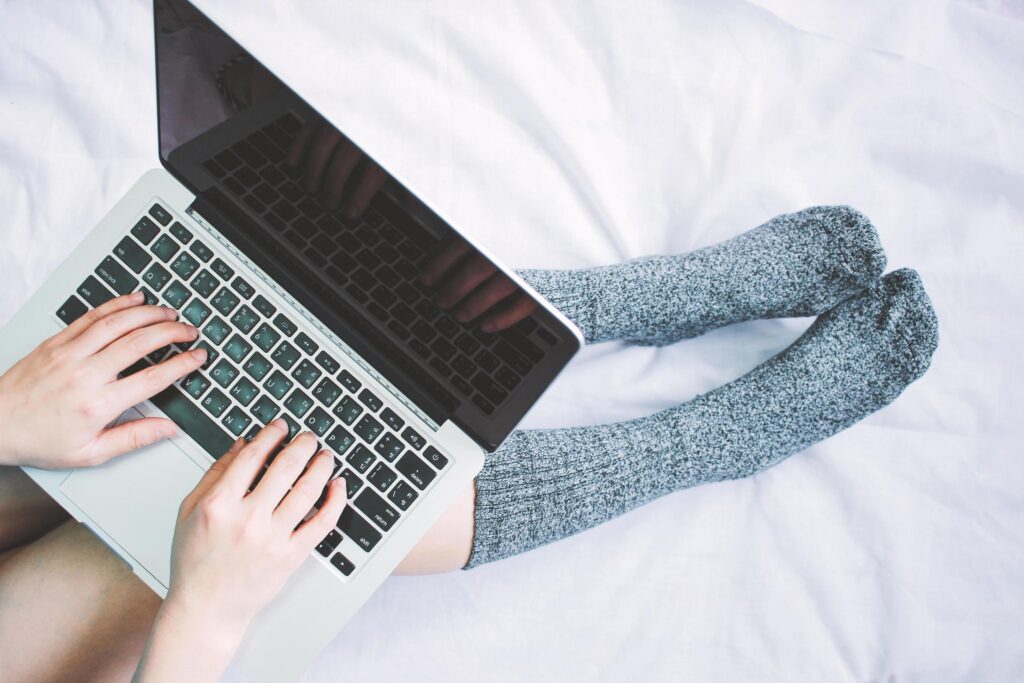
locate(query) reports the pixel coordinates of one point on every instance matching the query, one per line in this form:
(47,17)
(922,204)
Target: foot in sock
(544,485)
(797,264)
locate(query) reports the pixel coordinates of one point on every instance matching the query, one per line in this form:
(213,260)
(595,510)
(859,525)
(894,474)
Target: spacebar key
(193,421)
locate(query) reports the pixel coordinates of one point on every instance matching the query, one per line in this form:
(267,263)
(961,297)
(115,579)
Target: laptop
(309,310)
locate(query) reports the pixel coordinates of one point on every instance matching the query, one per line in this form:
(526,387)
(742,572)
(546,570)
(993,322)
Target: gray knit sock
(544,485)
(797,264)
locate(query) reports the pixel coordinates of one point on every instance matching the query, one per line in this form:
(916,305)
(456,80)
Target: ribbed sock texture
(797,264)
(544,485)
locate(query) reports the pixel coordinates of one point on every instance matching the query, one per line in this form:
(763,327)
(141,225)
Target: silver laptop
(307,313)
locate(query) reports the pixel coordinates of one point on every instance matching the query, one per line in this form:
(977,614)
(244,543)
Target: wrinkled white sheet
(577,133)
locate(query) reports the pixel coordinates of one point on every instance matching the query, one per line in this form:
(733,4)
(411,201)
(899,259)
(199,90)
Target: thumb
(129,436)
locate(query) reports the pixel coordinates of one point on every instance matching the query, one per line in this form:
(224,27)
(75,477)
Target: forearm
(185,645)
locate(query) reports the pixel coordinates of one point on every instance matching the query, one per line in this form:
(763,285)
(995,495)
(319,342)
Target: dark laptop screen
(343,237)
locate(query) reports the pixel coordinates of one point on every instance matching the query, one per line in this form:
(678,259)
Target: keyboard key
(245,319)
(505,377)
(377,509)
(224,373)
(328,363)
(282,323)
(145,230)
(389,447)
(116,276)
(339,439)
(435,458)
(160,214)
(263,306)
(177,294)
(306,373)
(488,387)
(318,421)
(196,312)
(164,248)
(93,292)
(156,277)
(391,419)
(204,284)
(265,337)
(216,403)
(507,353)
(244,289)
(413,438)
(202,251)
(348,410)
(244,391)
(149,297)
(382,477)
(352,482)
(402,495)
(293,426)
(349,381)
(236,421)
(183,234)
(329,543)
(195,384)
(327,392)
(225,301)
(285,355)
(342,563)
(298,403)
(358,529)
(71,310)
(222,269)
(207,433)
(415,470)
(368,429)
(370,400)
(184,265)
(483,404)
(237,348)
(278,385)
(129,251)
(216,330)
(264,409)
(306,344)
(361,458)
(257,366)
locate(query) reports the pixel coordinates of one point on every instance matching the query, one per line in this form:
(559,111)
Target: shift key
(117,276)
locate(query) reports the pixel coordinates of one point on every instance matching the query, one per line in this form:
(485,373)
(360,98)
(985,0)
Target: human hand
(469,286)
(329,163)
(233,551)
(56,403)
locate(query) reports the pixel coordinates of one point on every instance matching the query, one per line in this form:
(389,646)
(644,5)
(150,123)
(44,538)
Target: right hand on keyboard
(57,402)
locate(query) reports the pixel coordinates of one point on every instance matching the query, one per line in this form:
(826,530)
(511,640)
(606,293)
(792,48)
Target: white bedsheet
(577,133)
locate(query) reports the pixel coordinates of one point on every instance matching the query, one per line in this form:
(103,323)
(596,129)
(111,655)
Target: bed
(565,134)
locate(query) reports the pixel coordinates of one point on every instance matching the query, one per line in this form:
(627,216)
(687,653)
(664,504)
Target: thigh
(26,511)
(71,610)
(447,545)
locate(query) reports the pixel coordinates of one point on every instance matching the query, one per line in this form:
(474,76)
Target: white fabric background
(578,133)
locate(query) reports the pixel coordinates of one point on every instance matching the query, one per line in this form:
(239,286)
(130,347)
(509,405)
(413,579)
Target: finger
(150,381)
(300,500)
(211,477)
(307,536)
(283,472)
(237,479)
(519,308)
(446,256)
(128,436)
(109,329)
(321,149)
(85,322)
(140,342)
(469,274)
(369,179)
(300,145)
(346,158)
(484,298)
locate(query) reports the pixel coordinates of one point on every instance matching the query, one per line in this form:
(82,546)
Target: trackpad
(135,500)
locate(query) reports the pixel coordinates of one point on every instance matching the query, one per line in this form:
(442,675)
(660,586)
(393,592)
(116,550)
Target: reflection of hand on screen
(330,164)
(471,288)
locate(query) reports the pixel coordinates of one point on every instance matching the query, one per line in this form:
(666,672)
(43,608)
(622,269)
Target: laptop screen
(372,262)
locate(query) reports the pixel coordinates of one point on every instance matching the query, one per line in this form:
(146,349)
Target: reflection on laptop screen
(345,239)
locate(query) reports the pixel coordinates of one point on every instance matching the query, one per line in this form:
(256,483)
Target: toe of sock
(857,240)
(906,312)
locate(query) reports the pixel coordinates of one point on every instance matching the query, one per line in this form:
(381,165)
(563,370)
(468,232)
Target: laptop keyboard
(377,265)
(261,365)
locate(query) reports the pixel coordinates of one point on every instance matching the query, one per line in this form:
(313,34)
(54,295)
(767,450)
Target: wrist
(198,622)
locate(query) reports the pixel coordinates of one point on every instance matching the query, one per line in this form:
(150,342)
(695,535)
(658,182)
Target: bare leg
(26,512)
(447,545)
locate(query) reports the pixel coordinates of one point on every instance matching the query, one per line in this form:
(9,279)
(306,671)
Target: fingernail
(137,297)
(194,330)
(487,326)
(462,316)
(278,423)
(200,354)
